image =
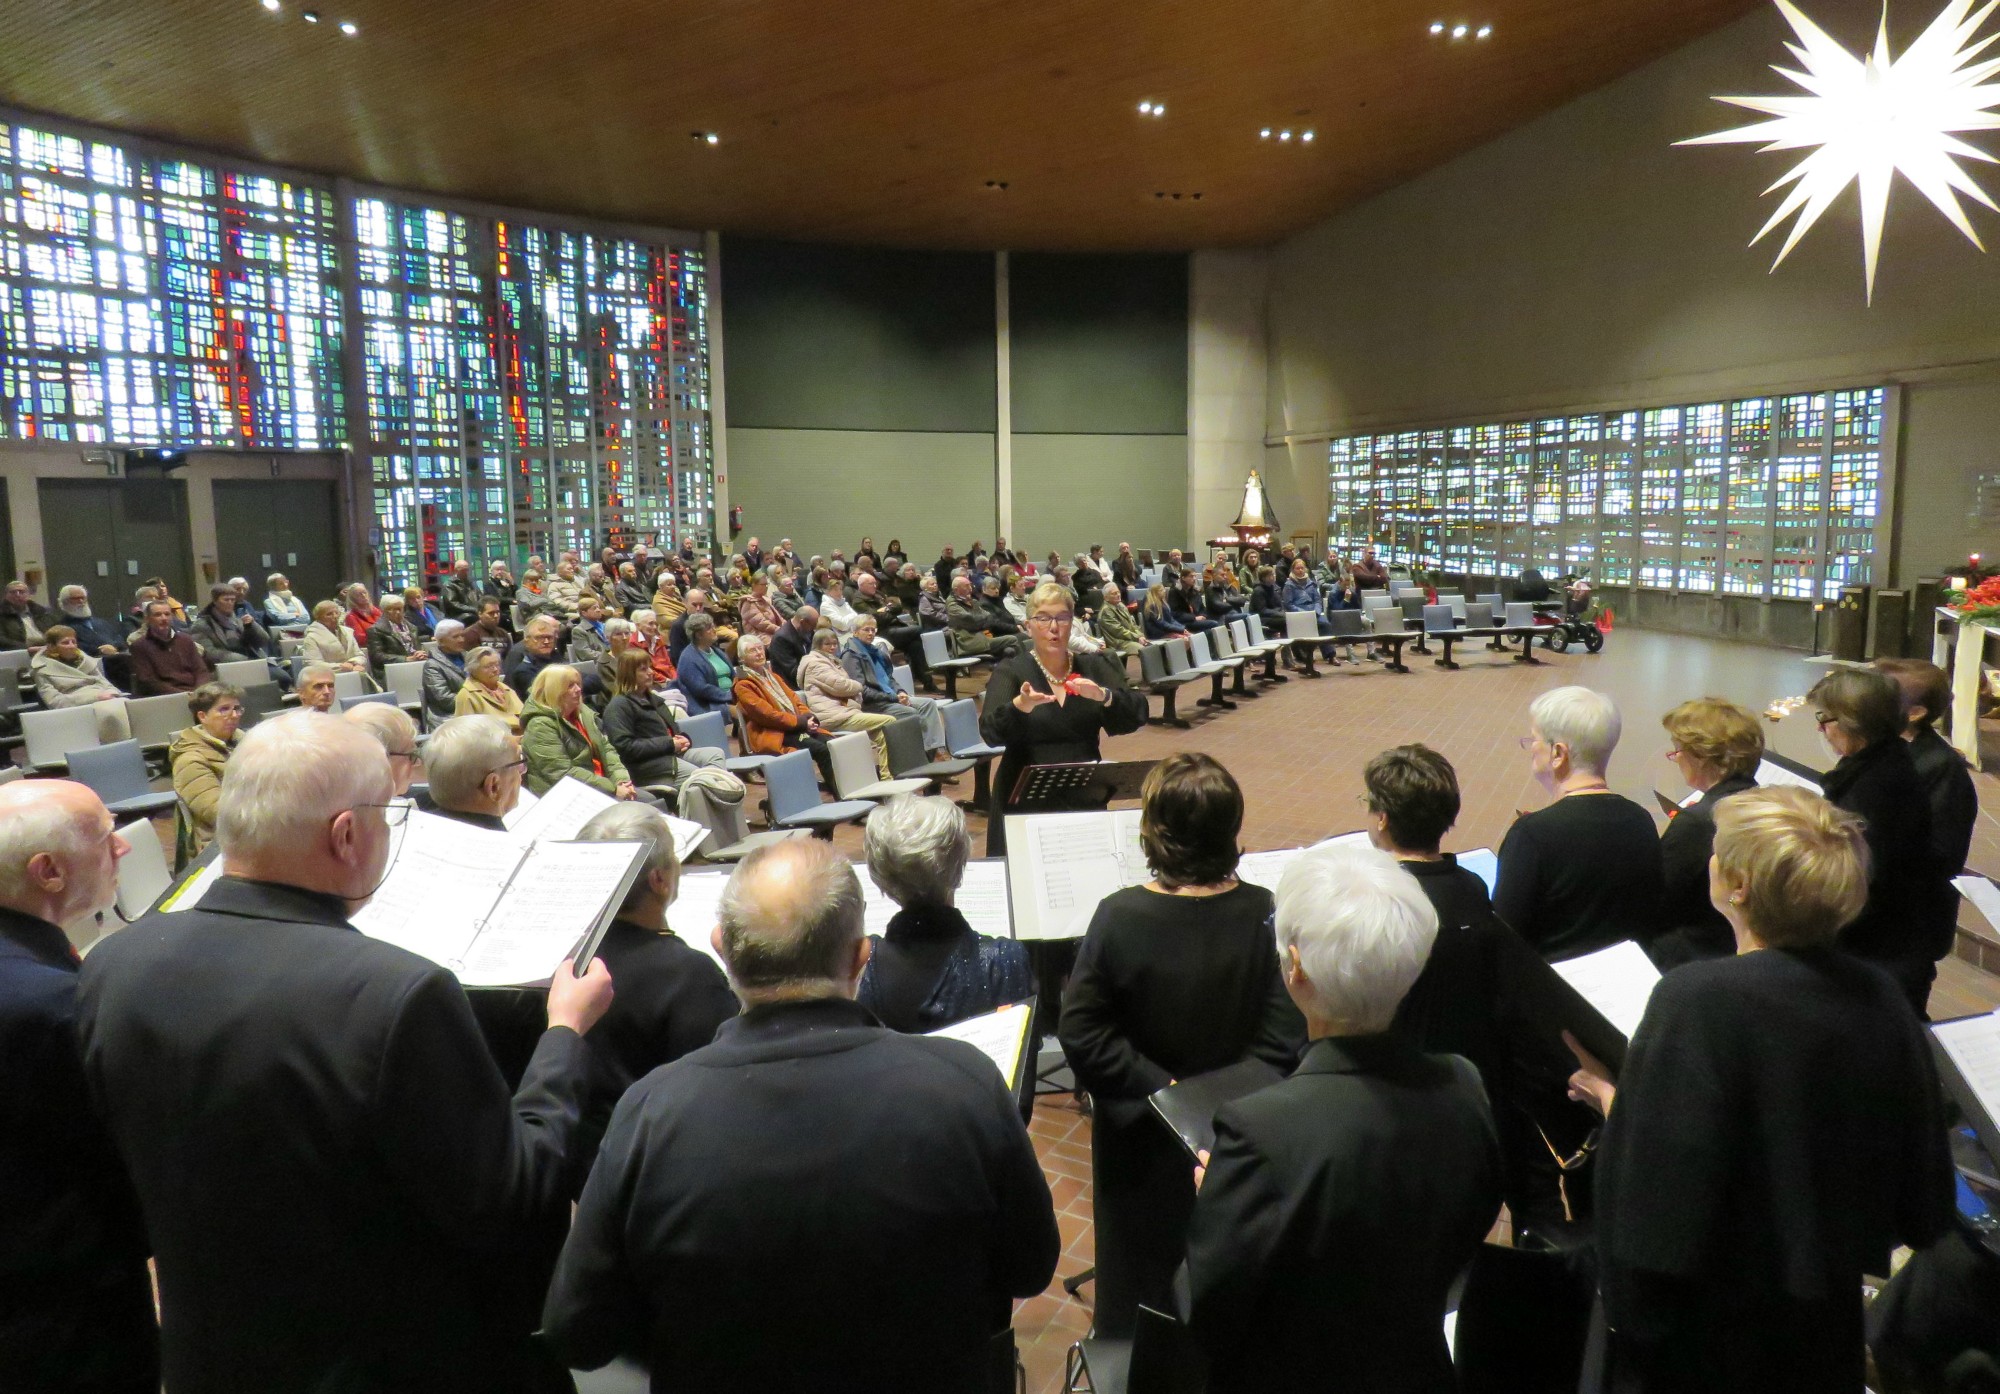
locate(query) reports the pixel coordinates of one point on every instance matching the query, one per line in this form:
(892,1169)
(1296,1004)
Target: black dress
(1694,928)
(932,969)
(1907,924)
(1581,874)
(1777,1132)
(1165,987)
(1054,733)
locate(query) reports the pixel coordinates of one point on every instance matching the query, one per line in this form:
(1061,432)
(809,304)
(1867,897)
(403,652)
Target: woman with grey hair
(1584,872)
(705,675)
(931,968)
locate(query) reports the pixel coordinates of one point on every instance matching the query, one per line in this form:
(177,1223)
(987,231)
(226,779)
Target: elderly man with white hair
(806,1153)
(1584,872)
(392,726)
(338,1189)
(77,1314)
(444,669)
(1339,1205)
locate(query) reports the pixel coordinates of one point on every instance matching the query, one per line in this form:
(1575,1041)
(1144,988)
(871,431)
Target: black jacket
(1581,875)
(671,998)
(750,1194)
(640,728)
(14,630)
(1911,908)
(1339,1206)
(786,648)
(339,1191)
(1696,928)
(1954,801)
(76,1304)
(459,598)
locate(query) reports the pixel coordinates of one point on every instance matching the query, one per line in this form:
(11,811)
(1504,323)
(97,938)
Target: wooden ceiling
(863,121)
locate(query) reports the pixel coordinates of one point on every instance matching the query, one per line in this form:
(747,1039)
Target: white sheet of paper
(982,898)
(1618,981)
(1984,895)
(1484,863)
(998,1034)
(444,878)
(1060,865)
(688,835)
(1770,773)
(1265,868)
(522,803)
(553,900)
(1354,839)
(560,813)
(1974,1046)
(193,888)
(696,908)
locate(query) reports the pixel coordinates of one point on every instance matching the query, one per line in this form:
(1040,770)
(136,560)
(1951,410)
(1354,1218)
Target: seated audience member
(973,626)
(1471,998)
(931,968)
(133,621)
(316,688)
(1088,583)
(1370,573)
(835,698)
(1176,977)
(992,595)
(755,612)
(490,630)
(531,598)
(500,584)
(1339,1206)
(101,638)
(444,670)
(227,633)
(1125,568)
(362,612)
(328,640)
(895,622)
(459,596)
(587,643)
(618,635)
(1156,613)
(77,1316)
(561,738)
(678,638)
(785,597)
(641,728)
(1926,695)
(391,726)
(162,591)
(1014,587)
(1189,607)
(792,642)
(1717,747)
(1910,917)
(1117,628)
(565,591)
(631,591)
(359,1097)
(1267,600)
(474,768)
(1302,596)
(535,652)
(943,569)
(932,611)
(862,658)
(282,609)
(391,639)
(704,1241)
(1584,872)
(163,658)
(834,611)
(419,613)
(908,588)
(671,996)
(1226,601)
(705,675)
(66,676)
(23,619)
(1776,1130)
(775,718)
(485,692)
(197,758)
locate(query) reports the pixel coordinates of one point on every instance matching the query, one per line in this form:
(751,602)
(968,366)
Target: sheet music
(688,835)
(1060,865)
(1354,839)
(1769,773)
(193,888)
(998,1034)
(1618,981)
(560,813)
(513,816)
(1266,868)
(1974,1046)
(1984,895)
(443,880)
(1484,863)
(696,908)
(557,896)
(982,898)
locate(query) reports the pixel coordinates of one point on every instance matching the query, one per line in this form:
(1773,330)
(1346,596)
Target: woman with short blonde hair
(1717,747)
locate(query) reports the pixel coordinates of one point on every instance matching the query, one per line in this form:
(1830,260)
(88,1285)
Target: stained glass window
(1758,497)
(163,302)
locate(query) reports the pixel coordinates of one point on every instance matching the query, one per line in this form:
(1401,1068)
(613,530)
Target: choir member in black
(1048,706)
(931,968)
(339,1192)
(1584,872)
(1471,999)
(671,996)
(1339,1206)
(813,1202)
(76,1304)
(1908,923)
(1717,747)
(1775,1133)
(1926,694)
(1176,977)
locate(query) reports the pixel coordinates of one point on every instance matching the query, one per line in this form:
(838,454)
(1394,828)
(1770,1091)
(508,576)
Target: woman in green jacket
(560,736)
(197,758)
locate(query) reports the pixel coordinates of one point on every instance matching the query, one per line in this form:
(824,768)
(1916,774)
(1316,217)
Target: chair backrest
(15,661)
(1491,598)
(705,732)
(936,650)
(905,739)
(347,684)
(1153,662)
(259,702)
(1458,604)
(1175,652)
(1520,614)
(290,645)
(51,735)
(961,724)
(1489,609)
(10,773)
(1145,556)
(790,785)
(1301,624)
(112,772)
(853,759)
(155,721)
(905,679)
(1347,622)
(1438,619)
(406,682)
(1218,640)
(1370,597)
(349,703)
(243,672)
(1384,616)
(143,875)
(1198,650)
(1239,634)
(1413,605)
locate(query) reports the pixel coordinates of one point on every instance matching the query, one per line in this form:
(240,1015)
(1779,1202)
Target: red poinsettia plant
(1981,602)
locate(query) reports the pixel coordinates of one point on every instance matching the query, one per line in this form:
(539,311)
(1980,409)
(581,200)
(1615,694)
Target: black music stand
(1077,788)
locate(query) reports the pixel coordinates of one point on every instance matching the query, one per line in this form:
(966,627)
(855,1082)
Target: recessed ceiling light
(1307,137)
(1145,108)
(712,138)
(1284,135)
(349,28)
(1264,134)
(1438,28)
(311,16)
(1485,32)
(272,5)
(1459,31)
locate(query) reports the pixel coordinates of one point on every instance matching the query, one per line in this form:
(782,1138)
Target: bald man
(808,1152)
(76,1304)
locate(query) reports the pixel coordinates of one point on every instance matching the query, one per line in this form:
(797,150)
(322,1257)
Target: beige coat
(331,646)
(830,694)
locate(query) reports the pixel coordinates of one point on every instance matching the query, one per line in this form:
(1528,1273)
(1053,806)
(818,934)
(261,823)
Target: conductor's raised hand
(1028,698)
(1081,686)
(578,1002)
(1591,1084)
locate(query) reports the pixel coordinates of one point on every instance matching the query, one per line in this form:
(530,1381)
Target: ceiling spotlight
(349,28)
(1306,137)
(272,5)
(1438,28)
(311,16)
(1485,32)
(1459,31)
(712,138)
(1159,109)
(1145,108)
(1264,134)
(1284,135)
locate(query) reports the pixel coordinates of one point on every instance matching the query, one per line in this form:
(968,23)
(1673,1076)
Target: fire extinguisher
(735,519)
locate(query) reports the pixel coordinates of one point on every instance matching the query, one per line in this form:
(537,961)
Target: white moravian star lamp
(1866,117)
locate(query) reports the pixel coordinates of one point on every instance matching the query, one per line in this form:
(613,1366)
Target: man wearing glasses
(338,1189)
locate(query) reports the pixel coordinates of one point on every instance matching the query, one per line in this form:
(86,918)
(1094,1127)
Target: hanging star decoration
(1865,118)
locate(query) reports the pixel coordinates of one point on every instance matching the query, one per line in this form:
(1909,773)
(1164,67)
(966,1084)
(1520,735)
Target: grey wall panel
(1073,490)
(1100,343)
(828,489)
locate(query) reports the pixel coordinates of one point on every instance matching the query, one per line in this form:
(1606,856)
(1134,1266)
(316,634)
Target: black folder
(1189,1107)
(1555,1007)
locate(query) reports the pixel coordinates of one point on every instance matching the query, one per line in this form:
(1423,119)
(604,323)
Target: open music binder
(1968,1056)
(1189,1106)
(1007,1038)
(1599,998)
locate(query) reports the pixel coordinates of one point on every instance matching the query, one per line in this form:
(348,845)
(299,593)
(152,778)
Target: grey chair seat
(141,806)
(737,851)
(828,815)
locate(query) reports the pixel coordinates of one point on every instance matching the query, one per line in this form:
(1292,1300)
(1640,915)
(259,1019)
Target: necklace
(1056,684)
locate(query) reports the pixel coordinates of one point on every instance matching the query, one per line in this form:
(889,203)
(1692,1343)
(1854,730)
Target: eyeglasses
(409,755)
(1052,621)
(1527,742)
(510,765)
(394,812)
(1823,719)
